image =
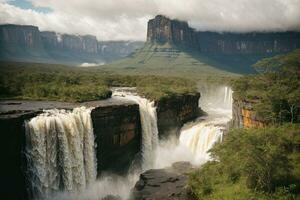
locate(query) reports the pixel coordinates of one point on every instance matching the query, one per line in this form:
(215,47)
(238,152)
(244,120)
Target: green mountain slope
(167,60)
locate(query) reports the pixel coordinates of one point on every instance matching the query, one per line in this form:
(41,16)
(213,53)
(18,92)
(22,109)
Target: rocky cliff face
(81,44)
(28,43)
(248,43)
(173,112)
(164,30)
(13,181)
(118,136)
(24,36)
(85,44)
(243,115)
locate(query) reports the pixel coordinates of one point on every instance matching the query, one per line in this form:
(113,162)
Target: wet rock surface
(163,184)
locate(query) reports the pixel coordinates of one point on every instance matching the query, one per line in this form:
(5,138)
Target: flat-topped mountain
(23,42)
(163,30)
(173,48)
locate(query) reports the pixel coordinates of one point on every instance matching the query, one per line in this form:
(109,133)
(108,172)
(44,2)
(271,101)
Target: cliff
(27,43)
(173,112)
(84,44)
(243,115)
(116,128)
(13,181)
(118,136)
(24,36)
(164,30)
(19,42)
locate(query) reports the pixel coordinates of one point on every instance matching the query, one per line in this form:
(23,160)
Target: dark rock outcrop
(167,184)
(173,112)
(118,136)
(13,166)
(164,30)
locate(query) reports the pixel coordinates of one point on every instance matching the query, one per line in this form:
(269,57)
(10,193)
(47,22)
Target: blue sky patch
(26,5)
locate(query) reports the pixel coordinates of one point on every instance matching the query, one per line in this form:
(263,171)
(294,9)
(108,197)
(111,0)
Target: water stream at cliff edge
(53,128)
(60,152)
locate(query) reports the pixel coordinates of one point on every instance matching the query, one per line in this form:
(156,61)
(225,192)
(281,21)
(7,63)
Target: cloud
(127,19)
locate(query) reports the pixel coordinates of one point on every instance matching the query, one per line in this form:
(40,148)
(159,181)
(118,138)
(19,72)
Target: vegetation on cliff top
(259,163)
(62,83)
(252,164)
(275,91)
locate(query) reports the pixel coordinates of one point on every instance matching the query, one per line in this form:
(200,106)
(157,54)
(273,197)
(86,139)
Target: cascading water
(60,151)
(149,125)
(200,136)
(195,140)
(110,184)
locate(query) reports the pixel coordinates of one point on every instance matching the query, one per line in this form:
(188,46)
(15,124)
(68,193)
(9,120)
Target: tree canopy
(275,90)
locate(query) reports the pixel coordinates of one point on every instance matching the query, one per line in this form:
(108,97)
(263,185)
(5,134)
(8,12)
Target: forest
(32,81)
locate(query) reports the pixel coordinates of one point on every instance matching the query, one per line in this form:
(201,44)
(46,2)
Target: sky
(127,19)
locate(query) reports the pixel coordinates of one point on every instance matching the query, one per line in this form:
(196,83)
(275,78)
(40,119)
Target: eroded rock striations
(164,30)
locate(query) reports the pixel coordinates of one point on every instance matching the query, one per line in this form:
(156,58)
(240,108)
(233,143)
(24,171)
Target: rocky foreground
(164,184)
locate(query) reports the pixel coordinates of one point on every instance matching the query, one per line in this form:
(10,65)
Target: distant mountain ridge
(163,30)
(25,42)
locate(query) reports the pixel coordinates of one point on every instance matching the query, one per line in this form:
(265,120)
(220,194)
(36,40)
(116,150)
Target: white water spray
(60,151)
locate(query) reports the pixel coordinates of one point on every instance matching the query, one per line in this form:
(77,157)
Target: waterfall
(149,125)
(60,151)
(200,136)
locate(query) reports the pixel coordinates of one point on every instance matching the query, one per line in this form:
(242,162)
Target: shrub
(260,162)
